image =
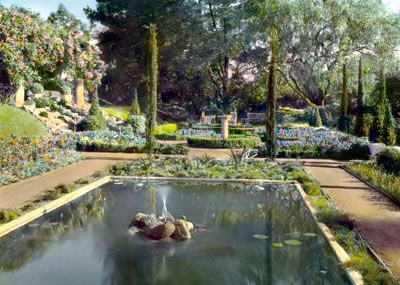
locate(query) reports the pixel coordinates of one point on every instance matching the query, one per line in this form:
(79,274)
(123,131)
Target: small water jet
(163,227)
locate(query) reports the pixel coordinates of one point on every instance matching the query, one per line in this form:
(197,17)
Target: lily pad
(277,244)
(258,236)
(293,242)
(309,235)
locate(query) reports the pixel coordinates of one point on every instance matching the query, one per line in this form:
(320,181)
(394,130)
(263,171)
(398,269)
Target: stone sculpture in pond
(162,228)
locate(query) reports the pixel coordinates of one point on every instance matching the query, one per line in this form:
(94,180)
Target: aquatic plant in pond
(241,223)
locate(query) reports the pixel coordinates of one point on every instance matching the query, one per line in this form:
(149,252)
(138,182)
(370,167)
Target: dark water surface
(86,241)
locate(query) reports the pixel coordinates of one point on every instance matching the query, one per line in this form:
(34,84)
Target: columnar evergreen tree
(135,103)
(344,120)
(271,96)
(384,118)
(95,120)
(152,78)
(359,129)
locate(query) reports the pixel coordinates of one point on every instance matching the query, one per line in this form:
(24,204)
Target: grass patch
(121,112)
(14,121)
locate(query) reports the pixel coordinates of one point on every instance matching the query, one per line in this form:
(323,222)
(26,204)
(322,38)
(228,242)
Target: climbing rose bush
(34,49)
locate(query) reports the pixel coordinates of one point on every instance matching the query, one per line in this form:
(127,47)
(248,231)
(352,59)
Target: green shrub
(65,90)
(95,121)
(138,123)
(169,137)
(241,130)
(37,88)
(102,146)
(232,142)
(389,160)
(177,149)
(42,102)
(44,114)
(8,215)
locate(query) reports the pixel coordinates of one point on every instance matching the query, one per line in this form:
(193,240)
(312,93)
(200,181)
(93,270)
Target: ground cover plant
(14,121)
(25,157)
(370,171)
(319,142)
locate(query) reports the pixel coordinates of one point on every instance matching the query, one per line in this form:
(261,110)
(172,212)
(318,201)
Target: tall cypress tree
(152,88)
(344,120)
(359,125)
(271,96)
(384,118)
(135,103)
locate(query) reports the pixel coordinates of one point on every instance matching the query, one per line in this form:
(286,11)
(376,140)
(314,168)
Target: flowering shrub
(32,48)
(29,156)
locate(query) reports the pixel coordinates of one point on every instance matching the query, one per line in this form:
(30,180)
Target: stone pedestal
(68,99)
(225,126)
(79,93)
(20,96)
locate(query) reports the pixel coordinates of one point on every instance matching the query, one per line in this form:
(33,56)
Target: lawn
(121,112)
(14,121)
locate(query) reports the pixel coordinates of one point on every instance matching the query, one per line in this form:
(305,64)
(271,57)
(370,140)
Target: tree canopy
(218,50)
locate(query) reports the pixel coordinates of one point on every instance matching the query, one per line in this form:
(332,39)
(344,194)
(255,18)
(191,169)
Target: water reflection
(22,246)
(227,253)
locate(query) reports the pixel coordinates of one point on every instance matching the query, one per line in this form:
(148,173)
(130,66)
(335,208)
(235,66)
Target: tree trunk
(359,126)
(271,97)
(344,120)
(152,89)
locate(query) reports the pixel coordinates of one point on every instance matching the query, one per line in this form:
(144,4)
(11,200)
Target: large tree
(124,45)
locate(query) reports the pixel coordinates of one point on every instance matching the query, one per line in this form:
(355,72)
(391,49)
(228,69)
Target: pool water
(252,234)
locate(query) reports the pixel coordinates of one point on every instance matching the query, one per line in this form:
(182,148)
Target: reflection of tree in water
(136,261)
(286,217)
(29,242)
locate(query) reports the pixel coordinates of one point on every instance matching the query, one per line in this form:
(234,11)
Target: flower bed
(25,157)
(389,183)
(319,142)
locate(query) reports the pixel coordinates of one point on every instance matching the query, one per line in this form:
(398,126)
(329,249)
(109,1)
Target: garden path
(19,194)
(376,217)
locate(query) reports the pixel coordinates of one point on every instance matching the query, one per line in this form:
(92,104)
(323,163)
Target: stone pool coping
(342,256)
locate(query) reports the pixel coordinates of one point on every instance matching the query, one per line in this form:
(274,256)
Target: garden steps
(376,217)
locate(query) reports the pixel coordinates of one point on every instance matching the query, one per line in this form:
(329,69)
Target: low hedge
(241,130)
(232,142)
(169,137)
(389,160)
(102,146)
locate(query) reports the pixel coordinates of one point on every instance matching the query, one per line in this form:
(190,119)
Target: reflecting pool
(246,234)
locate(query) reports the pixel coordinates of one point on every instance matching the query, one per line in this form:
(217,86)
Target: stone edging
(343,257)
(354,276)
(36,213)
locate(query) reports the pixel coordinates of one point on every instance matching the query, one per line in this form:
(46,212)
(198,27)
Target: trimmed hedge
(389,160)
(102,146)
(169,137)
(232,142)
